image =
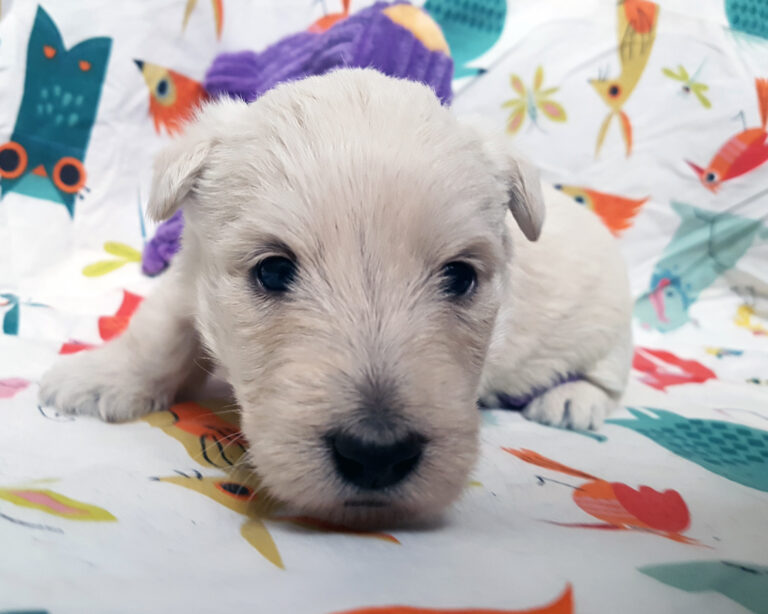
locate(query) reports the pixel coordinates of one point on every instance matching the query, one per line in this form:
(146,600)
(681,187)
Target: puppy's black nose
(373,466)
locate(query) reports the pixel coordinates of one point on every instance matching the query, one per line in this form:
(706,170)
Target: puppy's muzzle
(374,466)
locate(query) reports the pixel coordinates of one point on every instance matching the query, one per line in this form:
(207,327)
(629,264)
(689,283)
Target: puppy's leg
(139,372)
(585,403)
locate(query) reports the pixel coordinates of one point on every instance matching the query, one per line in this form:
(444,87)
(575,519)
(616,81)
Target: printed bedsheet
(651,115)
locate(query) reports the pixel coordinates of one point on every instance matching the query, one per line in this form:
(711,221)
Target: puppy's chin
(404,507)
(371,514)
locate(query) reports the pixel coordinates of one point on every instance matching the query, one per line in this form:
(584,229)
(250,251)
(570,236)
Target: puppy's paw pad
(576,405)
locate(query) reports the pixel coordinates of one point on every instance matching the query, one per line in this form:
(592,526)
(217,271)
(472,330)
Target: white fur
(373,187)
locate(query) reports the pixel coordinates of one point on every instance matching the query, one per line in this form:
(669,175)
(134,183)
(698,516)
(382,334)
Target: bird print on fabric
(218,15)
(741,153)
(616,212)
(241,494)
(173,97)
(564,604)
(704,246)
(110,326)
(45,155)
(637,22)
(734,451)
(471,28)
(10,312)
(661,369)
(749,16)
(240,491)
(209,437)
(618,505)
(744,583)
(330,19)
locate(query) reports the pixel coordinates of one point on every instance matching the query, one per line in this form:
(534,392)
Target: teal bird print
(45,155)
(471,28)
(705,245)
(734,451)
(9,304)
(10,312)
(749,16)
(744,583)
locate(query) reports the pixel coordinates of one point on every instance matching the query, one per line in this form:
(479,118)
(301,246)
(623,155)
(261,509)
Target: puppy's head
(349,248)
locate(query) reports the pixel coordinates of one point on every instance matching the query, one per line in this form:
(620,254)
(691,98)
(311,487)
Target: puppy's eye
(274,274)
(459,279)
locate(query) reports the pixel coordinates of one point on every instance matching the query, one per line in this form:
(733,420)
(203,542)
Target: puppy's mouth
(365,503)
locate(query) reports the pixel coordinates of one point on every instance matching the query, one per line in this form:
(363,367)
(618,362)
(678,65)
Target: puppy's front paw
(576,405)
(92,383)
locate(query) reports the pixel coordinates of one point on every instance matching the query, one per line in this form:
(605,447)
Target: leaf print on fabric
(55,504)
(11,386)
(124,254)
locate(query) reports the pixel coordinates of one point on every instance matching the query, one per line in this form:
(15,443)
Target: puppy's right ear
(177,168)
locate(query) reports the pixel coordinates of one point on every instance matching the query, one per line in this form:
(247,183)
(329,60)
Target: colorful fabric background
(652,115)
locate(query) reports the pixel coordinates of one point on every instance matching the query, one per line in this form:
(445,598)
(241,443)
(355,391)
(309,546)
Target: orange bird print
(330,19)
(741,153)
(218,14)
(173,97)
(562,605)
(637,21)
(616,212)
(109,326)
(113,326)
(207,437)
(619,506)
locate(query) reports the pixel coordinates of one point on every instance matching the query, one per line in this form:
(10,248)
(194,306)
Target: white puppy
(350,263)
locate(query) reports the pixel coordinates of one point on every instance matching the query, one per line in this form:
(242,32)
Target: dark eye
(162,88)
(579,199)
(614,91)
(459,279)
(710,177)
(238,491)
(274,273)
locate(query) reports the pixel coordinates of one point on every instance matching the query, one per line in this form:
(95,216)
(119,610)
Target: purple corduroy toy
(368,39)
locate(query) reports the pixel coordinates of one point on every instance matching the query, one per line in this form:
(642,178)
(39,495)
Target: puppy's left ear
(526,201)
(521,178)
